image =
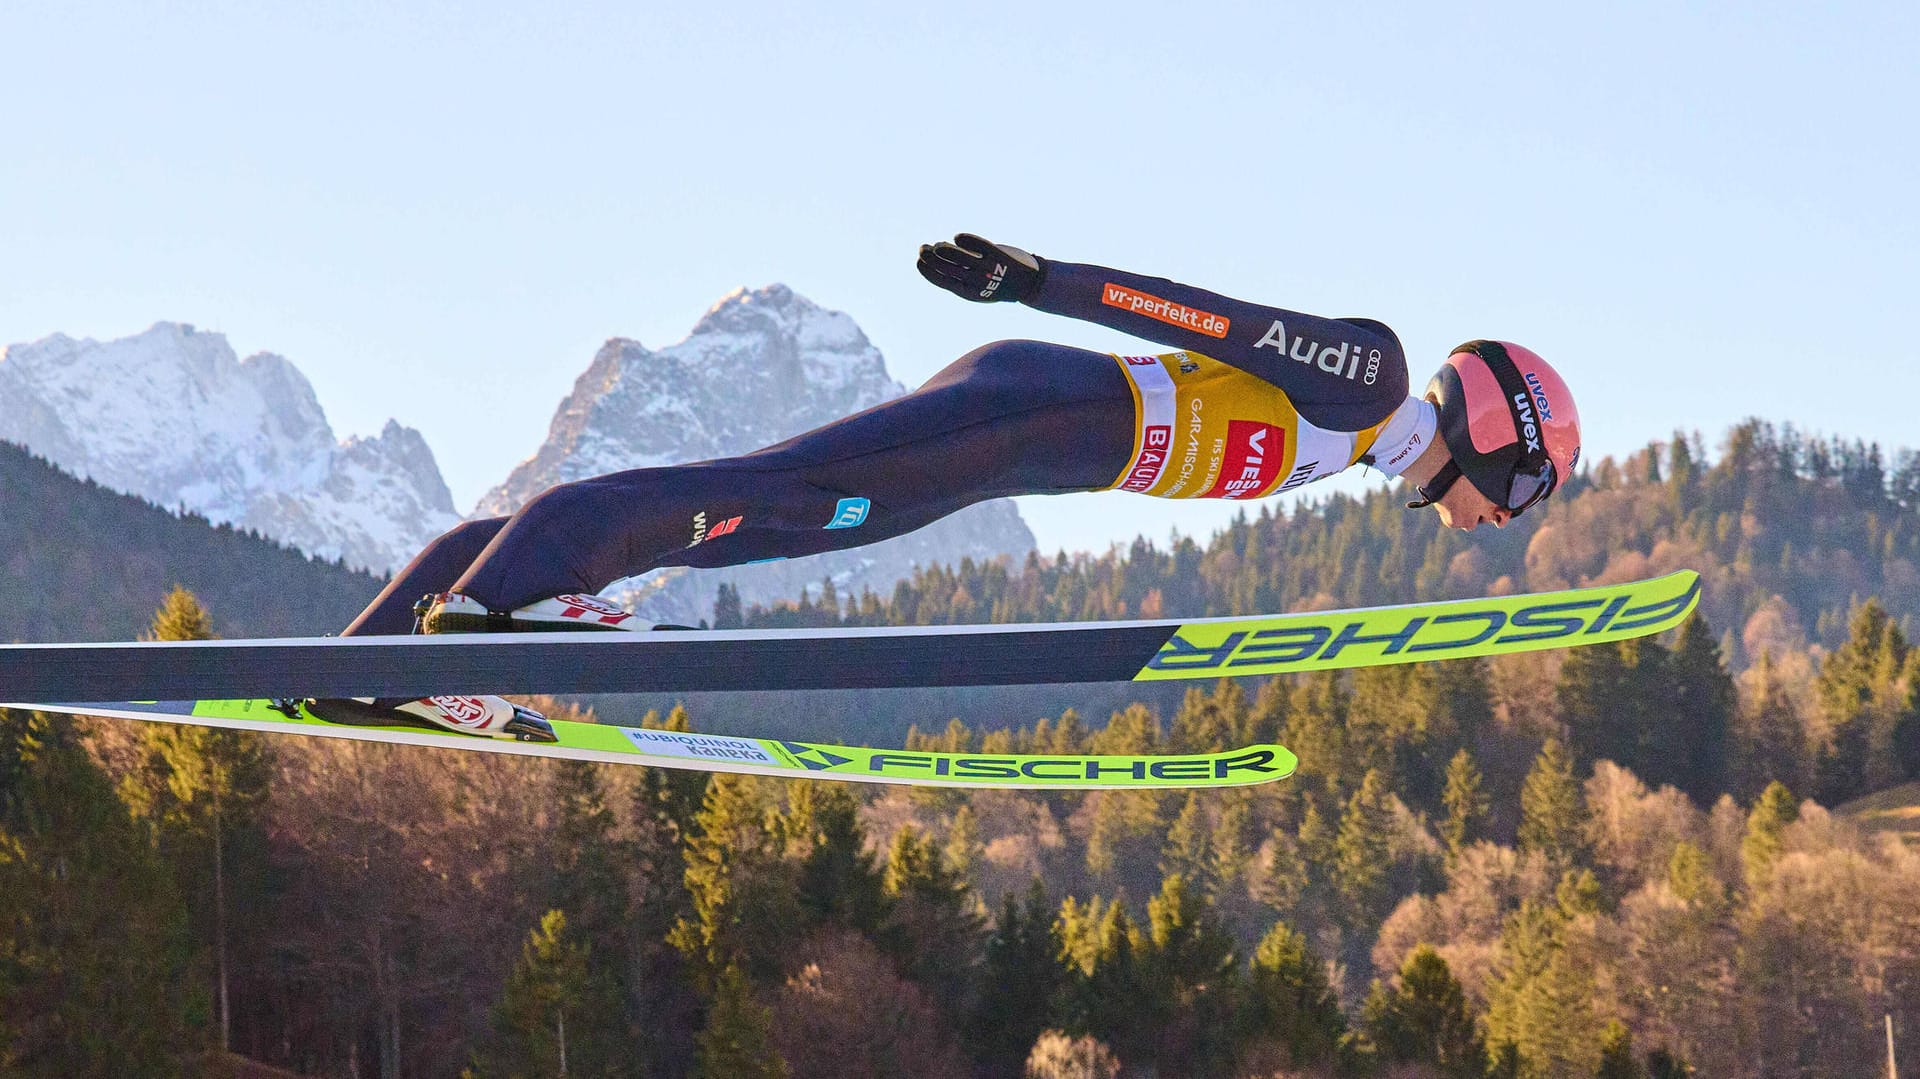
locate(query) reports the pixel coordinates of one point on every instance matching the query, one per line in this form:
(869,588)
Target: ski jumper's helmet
(1509,422)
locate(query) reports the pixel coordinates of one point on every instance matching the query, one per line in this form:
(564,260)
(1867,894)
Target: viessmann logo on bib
(1173,314)
(1252,459)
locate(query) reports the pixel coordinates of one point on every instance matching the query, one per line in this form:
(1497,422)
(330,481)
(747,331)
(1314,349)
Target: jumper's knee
(467,539)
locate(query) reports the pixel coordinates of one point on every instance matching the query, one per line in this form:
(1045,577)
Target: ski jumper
(1256,401)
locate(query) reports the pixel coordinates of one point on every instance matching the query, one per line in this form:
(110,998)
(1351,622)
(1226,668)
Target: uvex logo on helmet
(1523,408)
(1540,396)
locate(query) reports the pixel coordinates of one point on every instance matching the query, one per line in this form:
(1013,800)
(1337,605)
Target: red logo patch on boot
(591,609)
(461,711)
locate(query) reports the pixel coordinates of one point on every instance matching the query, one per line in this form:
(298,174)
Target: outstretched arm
(1342,374)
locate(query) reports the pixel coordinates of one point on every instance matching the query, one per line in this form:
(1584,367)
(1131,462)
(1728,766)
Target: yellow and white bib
(1206,429)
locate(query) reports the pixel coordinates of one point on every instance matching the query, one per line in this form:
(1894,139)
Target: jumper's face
(1466,509)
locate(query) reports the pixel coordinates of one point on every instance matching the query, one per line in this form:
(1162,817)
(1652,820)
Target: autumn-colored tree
(1056,1056)
(844,1012)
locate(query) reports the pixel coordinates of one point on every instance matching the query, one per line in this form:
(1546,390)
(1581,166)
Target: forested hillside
(81,563)
(1611,860)
(1818,523)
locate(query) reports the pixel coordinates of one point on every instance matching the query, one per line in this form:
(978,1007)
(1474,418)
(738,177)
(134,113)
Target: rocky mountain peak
(172,415)
(761,366)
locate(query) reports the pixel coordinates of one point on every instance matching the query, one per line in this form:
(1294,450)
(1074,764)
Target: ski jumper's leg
(434,569)
(1009,418)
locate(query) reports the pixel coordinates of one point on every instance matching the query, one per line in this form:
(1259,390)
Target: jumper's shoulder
(1343,374)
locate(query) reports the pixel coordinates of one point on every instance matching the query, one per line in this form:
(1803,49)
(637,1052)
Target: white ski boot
(489,717)
(455,612)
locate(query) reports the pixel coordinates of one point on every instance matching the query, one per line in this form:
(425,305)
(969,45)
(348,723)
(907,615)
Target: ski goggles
(1530,485)
(1525,486)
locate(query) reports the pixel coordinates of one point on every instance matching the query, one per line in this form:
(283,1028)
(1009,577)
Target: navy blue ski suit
(1008,418)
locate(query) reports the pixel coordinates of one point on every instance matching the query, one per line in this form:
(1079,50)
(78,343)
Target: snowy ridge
(173,416)
(761,366)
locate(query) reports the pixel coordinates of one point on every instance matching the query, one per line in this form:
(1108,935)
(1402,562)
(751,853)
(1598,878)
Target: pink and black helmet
(1509,422)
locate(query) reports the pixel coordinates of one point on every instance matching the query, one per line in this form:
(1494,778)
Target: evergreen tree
(743,896)
(547,987)
(1867,690)
(1597,706)
(206,788)
(587,885)
(1616,1054)
(1691,878)
(1316,731)
(1553,816)
(1020,980)
(662,1001)
(1189,964)
(216,784)
(1107,993)
(1361,854)
(1691,744)
(963,848)
(1466,803)
(840,886)
(1541,999)
(1424,1019)
(1462,696)
(93,945)
(180,618)
(1771,744)
(1229,854)
(1771,814)
(932,930)
(1662,1064)
(1291,1001)
(1185,852)
(736,1042)
(726,608)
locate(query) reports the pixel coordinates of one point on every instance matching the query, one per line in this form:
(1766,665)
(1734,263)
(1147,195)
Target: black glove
(980,270)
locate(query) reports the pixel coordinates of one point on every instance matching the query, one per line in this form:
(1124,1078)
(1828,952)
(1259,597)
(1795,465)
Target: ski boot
(455,612)
(489,717)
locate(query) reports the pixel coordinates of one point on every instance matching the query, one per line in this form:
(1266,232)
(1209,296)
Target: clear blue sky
(439,210)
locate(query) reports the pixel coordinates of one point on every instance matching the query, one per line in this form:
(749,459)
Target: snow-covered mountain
(172,415)
(760,367)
